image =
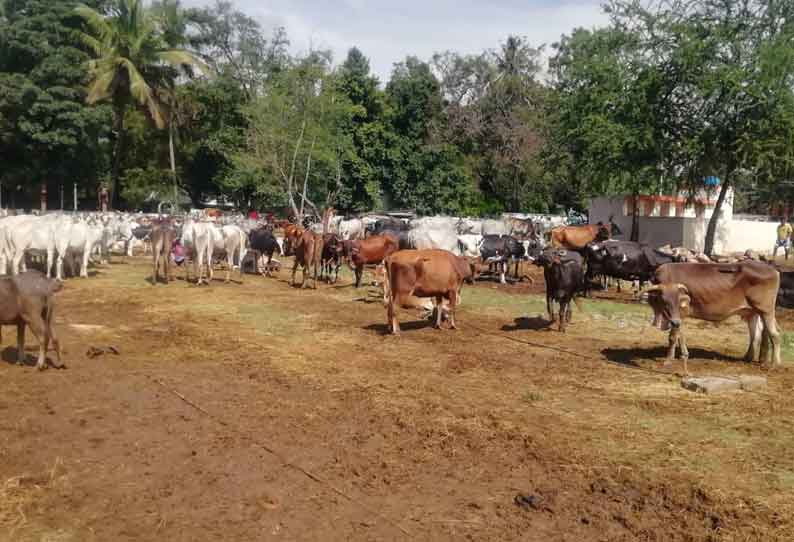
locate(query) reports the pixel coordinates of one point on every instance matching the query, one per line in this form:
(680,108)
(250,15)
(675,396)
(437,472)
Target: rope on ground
(569,352)
(281,457)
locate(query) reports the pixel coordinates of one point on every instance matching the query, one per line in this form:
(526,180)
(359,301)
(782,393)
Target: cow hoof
(41,366)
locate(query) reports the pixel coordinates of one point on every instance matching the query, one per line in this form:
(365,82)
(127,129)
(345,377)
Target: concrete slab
(711,384)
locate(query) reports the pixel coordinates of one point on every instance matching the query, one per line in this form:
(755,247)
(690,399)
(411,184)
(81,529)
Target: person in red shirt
(253,215)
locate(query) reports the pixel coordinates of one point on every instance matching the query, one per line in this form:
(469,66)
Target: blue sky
(387,31)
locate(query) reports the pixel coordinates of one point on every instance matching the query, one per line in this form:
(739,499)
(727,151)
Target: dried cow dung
(94,351)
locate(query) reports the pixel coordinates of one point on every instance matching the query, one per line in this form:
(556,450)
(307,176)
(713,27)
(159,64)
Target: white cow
(350,230)
(79,238)
(469,245)
(31,233)
(434,235)
(198,240)
(233,241)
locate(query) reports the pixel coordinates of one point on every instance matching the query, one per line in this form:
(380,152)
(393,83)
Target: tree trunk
(173,158)
(118,152)
(306,177)
(635,219)
(711,231)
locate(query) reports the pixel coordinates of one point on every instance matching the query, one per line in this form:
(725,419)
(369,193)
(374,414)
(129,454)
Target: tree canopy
(157,97)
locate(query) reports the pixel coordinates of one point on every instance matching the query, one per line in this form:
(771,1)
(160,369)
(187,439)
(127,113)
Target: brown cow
(291,235)
(413,274)
(370,251)
(308,253)
(28,299)
(578,237)
(162,238)
(715,292)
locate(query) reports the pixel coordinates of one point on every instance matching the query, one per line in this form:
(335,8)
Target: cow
(578,237)
(370,251)
(521,228)
(198,240)
(785,296)
(332,256)
(383,225)
(291,235)
(263,243)
(563,271)
(162,236)
(308,253)
(413,274)
(623,260)
(499,250)
(27,299)
(715,292)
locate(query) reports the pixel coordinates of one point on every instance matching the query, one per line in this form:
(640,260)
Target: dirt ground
(257,411)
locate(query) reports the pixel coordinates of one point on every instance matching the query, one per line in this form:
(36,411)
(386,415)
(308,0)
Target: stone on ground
(711,384)
(719,384)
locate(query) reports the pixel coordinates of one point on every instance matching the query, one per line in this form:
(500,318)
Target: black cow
(785,294)
(262,242)
(387,225)
(331,259)
(563,271)
(499,250)
(623,260)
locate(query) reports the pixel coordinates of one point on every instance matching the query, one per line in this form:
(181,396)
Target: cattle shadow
(535,323)
(385,329)
(630,356)
(9,356)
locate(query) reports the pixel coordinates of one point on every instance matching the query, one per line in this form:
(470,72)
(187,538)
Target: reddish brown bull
(308,254)
(715,292)
(413,274)
(292,234)
(578,237)
(370,251)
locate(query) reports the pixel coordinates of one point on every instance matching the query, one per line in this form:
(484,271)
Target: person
(103,198)
(43,198)
(253,214)
(178,252)
(783,237)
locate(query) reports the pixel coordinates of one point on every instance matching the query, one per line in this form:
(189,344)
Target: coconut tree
(132,60)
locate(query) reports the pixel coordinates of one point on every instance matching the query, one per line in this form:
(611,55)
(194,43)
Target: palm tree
(132,61)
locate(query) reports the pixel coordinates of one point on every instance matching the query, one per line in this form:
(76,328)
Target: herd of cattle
(425,263)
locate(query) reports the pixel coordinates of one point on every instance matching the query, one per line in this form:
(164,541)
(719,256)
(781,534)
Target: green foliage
(47,133)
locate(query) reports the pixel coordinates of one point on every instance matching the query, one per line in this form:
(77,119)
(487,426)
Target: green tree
(132,61)
(726,66)
(47,132)
(609,112)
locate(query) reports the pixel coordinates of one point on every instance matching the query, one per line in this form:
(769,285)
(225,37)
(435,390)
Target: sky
(387,31)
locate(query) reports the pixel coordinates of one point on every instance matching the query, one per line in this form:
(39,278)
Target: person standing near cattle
(783,237)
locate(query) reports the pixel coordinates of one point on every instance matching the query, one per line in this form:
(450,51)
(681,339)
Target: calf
(563,271)
(370,251)
(413,274)
(332,256)
(499,250)
(715,292)
(308,253)
(263,243)
(162,236)
(28,299)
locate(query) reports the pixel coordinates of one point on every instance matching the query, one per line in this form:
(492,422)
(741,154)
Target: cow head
(474,265)
(669,303)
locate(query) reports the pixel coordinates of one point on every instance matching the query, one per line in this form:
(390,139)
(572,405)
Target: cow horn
(654,288)
(683,288)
